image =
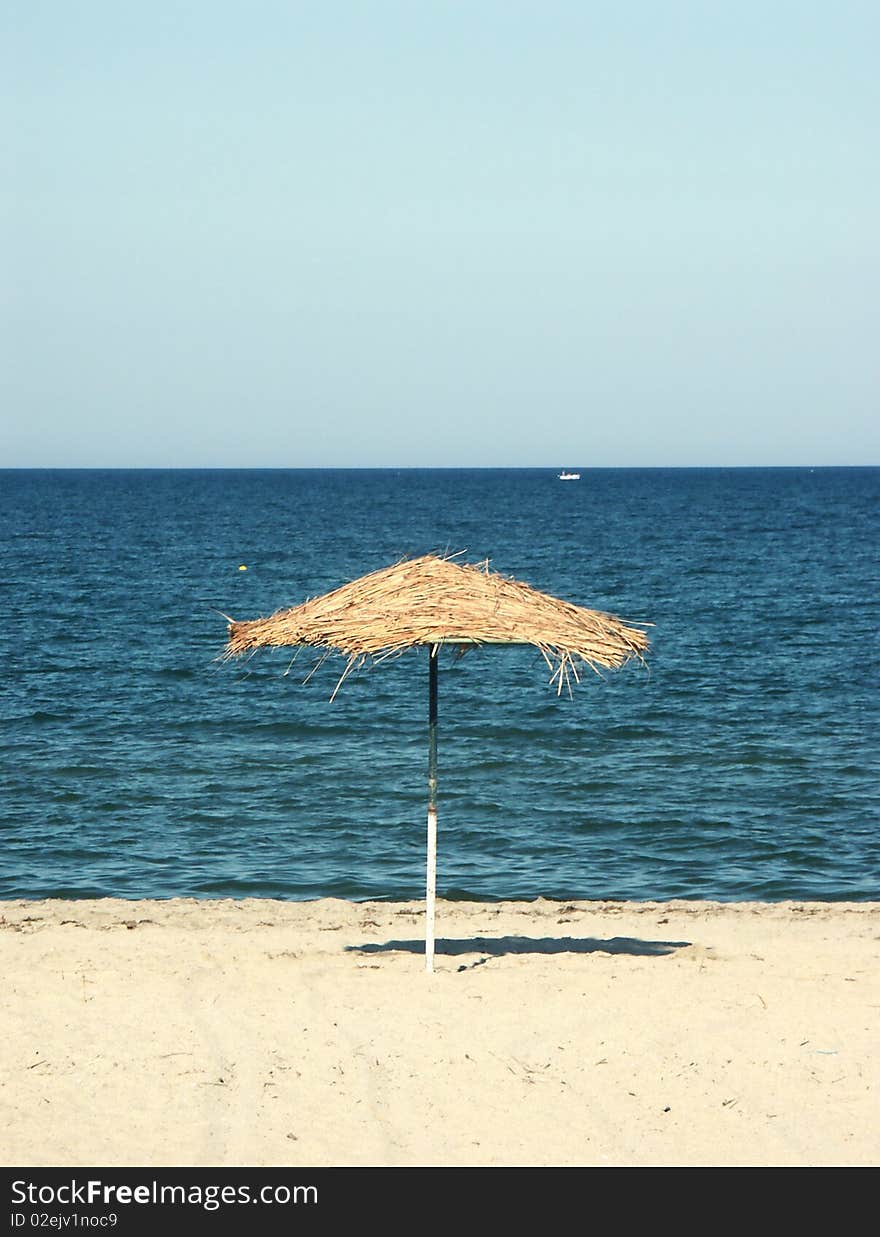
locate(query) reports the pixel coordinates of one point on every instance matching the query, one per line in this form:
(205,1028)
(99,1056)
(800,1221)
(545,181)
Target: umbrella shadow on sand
(499,946)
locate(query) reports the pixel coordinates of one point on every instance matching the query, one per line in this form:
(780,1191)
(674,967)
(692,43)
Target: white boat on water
(569,476)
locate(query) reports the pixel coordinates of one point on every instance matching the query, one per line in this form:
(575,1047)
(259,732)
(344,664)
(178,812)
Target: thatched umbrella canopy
(434,601)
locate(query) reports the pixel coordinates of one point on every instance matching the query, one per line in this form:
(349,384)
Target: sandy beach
(265,1033)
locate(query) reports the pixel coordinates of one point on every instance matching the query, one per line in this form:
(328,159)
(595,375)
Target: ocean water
(742,764)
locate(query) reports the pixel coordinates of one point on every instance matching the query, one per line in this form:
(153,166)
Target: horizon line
(410,467)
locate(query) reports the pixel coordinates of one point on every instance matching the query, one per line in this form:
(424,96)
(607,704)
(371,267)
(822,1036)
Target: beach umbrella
(431,602)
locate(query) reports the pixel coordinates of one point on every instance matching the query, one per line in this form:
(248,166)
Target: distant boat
(569,476)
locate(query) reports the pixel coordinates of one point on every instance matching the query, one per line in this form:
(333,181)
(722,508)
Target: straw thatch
(434,601)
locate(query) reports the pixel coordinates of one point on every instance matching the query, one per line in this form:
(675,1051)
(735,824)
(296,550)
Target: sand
(264,1033)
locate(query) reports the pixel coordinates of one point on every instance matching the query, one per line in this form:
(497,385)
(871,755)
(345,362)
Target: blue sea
(742,763)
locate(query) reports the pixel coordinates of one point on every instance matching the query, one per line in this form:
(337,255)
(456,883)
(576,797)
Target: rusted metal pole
(431,880)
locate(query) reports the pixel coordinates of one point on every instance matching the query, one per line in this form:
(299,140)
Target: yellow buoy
(242,568)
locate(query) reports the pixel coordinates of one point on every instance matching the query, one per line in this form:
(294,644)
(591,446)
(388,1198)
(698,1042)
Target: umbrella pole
(431,880)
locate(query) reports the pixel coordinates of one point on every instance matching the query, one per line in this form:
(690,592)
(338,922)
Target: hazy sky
(435,233)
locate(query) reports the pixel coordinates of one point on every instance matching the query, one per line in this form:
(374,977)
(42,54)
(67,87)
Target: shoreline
(259,1032)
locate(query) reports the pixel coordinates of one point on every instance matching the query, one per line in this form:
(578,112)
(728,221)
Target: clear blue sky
(435,233)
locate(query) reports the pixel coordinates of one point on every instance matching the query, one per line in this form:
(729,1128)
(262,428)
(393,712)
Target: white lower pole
(431,889)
